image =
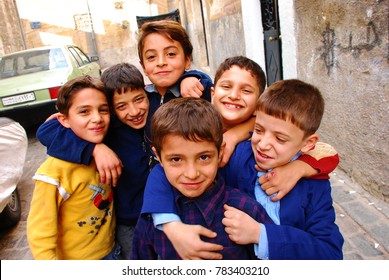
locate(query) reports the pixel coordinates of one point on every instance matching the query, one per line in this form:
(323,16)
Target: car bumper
(30,114)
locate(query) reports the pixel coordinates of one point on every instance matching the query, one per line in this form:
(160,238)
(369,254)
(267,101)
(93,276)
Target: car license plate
(16,99)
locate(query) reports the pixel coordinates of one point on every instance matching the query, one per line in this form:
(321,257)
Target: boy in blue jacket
(288,115)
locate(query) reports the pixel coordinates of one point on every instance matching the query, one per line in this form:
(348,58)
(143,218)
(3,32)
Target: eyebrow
(168,47)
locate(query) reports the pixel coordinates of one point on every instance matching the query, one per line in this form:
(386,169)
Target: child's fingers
(229,209)
(211,255)
(210,247)
(203,231)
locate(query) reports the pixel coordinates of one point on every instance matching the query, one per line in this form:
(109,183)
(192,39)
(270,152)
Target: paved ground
(363,219)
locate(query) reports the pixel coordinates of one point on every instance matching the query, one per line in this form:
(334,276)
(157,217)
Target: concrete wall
(342,47)
(215,28)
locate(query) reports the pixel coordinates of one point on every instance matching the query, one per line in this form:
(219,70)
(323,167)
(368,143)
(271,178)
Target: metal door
(272,40)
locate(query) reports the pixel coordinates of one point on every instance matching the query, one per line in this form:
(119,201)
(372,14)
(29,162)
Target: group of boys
(164,177)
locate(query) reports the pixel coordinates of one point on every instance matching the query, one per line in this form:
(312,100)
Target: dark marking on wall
(328,53)
(372,40)
(330,46)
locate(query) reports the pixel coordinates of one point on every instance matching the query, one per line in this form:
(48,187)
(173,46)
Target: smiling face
(275,141)
(190,167)
(88,115)
(235,96)
(163,61)
(131,107)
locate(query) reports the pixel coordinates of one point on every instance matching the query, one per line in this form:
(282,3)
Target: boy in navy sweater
(288,114)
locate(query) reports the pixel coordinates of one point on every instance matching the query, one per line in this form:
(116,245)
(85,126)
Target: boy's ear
(63,120)
(187,62)
(310,142)
(141,64)
(156,154)
(221,153)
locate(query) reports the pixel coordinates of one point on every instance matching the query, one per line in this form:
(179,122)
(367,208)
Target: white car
(13,149)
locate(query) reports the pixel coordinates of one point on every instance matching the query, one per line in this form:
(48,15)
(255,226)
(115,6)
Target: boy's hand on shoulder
(191,87)
(108,164)
(240,227)
(186,241)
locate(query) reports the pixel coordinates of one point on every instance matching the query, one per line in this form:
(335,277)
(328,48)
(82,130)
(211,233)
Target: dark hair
(121,77)
(194,119)
(67,91)
(296,101)
(171,29)
(246,64)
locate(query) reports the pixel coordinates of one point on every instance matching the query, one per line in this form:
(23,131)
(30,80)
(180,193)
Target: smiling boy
(189,152)
(288,115)
(71,214)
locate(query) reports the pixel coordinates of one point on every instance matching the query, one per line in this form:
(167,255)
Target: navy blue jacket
(308,229)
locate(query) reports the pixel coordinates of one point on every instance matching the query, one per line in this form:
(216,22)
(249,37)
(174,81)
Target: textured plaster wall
(11,39)
(342,47)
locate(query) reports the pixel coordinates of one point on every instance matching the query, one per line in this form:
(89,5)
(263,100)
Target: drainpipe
(92,30)
(20,25)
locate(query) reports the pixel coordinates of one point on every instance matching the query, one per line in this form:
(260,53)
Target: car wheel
(12,212)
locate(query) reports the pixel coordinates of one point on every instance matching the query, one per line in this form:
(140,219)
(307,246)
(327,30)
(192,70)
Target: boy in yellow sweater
(71,215)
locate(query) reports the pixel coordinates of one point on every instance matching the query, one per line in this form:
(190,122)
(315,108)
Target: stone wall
(342,47)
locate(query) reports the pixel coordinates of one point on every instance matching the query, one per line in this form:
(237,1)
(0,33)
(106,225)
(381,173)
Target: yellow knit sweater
(64,220)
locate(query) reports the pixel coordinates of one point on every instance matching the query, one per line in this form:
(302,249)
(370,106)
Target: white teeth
(263,155)
(233,106)
(137,119)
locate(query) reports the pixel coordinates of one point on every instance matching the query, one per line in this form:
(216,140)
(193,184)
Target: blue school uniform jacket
(307,217)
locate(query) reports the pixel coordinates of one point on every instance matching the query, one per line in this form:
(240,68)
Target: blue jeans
(124,236)
(114,254)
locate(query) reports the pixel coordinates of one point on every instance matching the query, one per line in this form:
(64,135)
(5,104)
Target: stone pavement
(363,219)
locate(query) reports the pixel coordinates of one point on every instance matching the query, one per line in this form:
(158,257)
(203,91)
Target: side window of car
(76,56)
(84,57)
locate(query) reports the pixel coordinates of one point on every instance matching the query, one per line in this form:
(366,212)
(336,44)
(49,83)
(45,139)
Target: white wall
(287,26)
(253,31)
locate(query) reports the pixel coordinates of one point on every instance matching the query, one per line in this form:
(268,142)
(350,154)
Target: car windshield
(31,62)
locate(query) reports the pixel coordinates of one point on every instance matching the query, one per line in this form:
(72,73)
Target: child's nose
(264,143)
(234,94)
(161,60)
(191,171)
(96,117)
(133,110)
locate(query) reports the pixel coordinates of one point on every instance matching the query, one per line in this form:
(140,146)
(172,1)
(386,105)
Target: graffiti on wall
(330,45)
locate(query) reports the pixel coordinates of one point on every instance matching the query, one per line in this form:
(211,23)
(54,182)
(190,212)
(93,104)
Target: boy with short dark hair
(71,214)
(189,152)
(288,115)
